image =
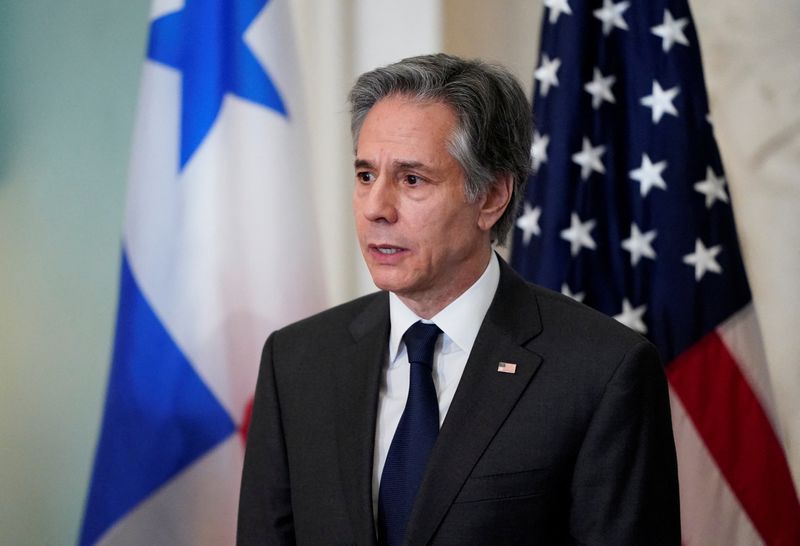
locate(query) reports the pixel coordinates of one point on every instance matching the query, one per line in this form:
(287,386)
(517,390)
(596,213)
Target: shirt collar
(459,321)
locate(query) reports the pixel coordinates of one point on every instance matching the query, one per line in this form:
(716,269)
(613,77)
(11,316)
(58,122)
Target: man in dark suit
(459,405)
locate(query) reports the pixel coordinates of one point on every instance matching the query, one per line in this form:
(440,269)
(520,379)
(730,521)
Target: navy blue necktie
(413,439)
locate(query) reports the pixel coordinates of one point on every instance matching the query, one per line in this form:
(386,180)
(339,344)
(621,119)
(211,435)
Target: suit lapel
(482,402)
(357,372)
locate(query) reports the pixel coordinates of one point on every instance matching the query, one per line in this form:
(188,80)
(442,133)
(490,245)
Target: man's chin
(387,282)
(383,284)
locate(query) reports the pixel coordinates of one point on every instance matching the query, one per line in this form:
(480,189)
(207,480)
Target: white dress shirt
(459,322)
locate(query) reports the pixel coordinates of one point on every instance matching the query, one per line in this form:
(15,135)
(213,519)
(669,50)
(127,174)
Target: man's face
(419,236)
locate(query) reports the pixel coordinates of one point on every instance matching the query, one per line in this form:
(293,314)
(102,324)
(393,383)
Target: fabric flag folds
(219,248)
(628,210)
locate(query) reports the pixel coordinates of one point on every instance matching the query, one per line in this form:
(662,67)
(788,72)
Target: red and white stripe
(736,487)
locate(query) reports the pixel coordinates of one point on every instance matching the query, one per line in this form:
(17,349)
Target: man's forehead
(402,130)
(406,105)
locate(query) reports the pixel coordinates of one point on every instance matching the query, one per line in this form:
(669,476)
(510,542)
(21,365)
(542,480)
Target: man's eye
(365,177)
(412,179)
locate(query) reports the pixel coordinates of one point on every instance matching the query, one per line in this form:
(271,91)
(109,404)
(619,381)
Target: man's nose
(381,201)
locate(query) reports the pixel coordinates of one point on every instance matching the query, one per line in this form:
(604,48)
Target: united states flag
(629,212)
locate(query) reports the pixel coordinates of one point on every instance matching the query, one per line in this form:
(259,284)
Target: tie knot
(420,339)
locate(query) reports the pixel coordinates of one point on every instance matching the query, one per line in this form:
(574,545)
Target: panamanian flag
(629,211)
(219,248)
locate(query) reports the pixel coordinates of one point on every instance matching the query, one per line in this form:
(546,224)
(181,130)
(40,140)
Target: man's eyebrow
(398,164)
(410,165)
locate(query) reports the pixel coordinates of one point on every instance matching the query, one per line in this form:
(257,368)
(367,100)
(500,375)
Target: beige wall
(509,35)
(753,76)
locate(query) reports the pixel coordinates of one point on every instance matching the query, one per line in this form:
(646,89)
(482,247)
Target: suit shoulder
(586,349)
(564,316)
(559,318)
(334,319)
(565,309)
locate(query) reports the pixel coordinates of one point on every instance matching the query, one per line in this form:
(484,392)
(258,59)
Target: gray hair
(493,134)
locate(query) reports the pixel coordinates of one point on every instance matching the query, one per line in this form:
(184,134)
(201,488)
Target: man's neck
(429,305)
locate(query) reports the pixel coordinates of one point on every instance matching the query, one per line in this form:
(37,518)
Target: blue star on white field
(703,259)
(671,31)
(649,175)
(713,187)
(547,74)
(528,222)
(661,101)
(600,88)
(557,7)
(578,234)
(575,296)
(589,159)
(640,244)
(205,42)
(632,317)
(539,150)
(611,15)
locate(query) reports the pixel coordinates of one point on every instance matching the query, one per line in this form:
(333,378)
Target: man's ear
(495,201)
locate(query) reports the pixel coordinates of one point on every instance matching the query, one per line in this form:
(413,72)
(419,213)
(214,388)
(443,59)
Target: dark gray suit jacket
(575,447)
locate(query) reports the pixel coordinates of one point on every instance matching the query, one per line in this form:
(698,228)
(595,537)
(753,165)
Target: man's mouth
(387,250)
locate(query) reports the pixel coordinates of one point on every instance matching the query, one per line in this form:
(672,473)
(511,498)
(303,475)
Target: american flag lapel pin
(507,367)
